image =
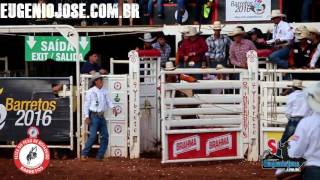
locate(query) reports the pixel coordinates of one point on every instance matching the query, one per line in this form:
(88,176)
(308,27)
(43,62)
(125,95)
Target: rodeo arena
(173,89)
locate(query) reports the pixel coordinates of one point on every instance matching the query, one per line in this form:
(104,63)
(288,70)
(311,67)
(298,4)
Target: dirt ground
(119,168)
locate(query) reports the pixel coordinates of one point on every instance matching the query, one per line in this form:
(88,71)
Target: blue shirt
(164,51)
(88,67)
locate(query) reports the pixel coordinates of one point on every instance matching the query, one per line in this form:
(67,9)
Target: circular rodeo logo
(31,155)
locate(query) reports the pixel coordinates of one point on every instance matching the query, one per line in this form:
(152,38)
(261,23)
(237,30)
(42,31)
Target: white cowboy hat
(192,31)
(303,35)
(313,30)
(236,31)
(147,37)
(296,83)
(217,25)
(301,28)
(219,66)
(169,66)
(277,13)
(94,78)
(313,97)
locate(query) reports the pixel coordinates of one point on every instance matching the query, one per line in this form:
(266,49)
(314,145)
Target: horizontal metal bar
(49,146)
(202,122)
(290,71)
(205,71)
(204,99)
(221,109)
(204,130)
(272,129)
(208,84)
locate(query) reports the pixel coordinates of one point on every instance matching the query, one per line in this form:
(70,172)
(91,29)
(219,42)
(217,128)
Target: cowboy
(300,54)
(163,47)
(281,39)
(96,103)
(91,66)
(239,48)
(147,41)
(192,50)
(305,142)
(218,46)
(314,37)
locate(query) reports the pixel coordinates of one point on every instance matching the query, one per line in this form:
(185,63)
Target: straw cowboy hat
(94,78)
(277,13)
(147,37)
(169,66)
(313,30)
(236,31)
(217,25)
(192,31)
(297,84)
(303,35)
(313,97)
(301,28)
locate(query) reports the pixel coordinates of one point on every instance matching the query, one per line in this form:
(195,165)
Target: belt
(97,113)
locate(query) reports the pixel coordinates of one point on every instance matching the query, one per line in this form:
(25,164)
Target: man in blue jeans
(97,101)
(282,37)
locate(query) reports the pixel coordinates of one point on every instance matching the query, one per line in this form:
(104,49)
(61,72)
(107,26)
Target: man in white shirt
(297,108)
(97,101)
(305,142)
(281,39)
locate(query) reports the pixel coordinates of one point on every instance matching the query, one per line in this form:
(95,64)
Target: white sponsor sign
(218,143)
(186,144)
(248,10)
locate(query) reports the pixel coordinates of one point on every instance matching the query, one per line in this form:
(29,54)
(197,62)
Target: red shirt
(198,46)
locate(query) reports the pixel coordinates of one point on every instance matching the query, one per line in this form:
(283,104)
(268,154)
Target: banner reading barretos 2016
(248,10)
(66,10)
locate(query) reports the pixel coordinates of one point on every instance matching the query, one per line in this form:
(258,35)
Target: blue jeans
(280,57)
(306,8)
(159,7)
(311,173)
(288,132)
(97,123)
(181,6)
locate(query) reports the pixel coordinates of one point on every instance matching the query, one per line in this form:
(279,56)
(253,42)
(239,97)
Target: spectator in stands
(315,63)
(281,40)
(306,11)
(305,142)
(164,49)
(300,54)
(143,11)
(256,36)
(239,48)
(202,10)
(314,37)
(91,66)
(192,50)
(159,7)
(218,47)
(147,41)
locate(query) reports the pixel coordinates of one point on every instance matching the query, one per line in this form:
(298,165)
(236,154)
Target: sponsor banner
(118,151)
(248,10)
(204,145)
(271,140)
(26,102)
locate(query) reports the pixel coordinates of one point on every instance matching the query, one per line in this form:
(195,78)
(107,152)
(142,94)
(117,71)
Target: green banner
(42,48)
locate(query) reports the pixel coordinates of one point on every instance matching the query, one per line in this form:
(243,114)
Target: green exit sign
(42,48)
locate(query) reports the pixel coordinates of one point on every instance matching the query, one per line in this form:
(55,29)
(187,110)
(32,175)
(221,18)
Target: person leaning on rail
(97,101)
(91,66)
(305,141)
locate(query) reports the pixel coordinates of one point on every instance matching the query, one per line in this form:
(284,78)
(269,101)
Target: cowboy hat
(313,97)
(303,35)
(147,37)
(169,66)
(192,31)
(236,31)
(301,28)
(90,53)
(217,25)
(313,30)
(276,13)
(94,78)
(297,84)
